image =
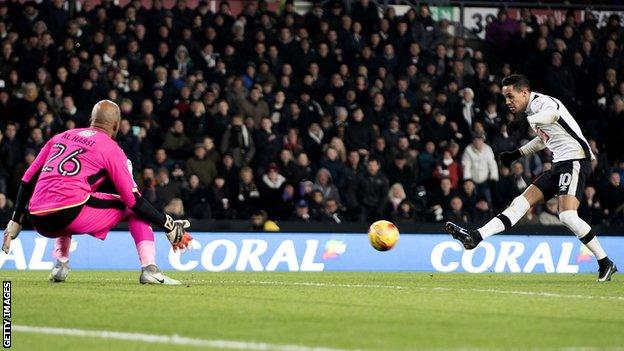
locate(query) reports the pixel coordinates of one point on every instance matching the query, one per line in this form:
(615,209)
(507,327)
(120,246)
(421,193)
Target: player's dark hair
(518,81)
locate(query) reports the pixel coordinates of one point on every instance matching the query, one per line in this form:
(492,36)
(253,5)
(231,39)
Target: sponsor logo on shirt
(87,133)
(545,137)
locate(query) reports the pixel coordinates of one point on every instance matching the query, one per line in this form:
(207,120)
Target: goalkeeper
(60,188)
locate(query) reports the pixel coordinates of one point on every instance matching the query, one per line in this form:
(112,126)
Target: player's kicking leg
(470,238)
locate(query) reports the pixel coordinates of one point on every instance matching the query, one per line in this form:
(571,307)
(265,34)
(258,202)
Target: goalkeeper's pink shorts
(96,217)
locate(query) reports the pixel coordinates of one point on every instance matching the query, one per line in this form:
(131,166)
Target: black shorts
(55,221)
(565,178)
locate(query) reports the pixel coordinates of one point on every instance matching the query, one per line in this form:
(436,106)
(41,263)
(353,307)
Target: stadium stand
(333,115)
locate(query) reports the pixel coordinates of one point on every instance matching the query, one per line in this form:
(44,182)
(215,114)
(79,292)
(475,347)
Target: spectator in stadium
(200,165)
(6,209)
(378,113)
(359,135)
(161,160)
(271,188)
(456,213)
(317,204)
(502,141)
(175,208)
(176,142)
(332,212)
(550,215)
(396,195)
(590,207)
(440,198)
(447,167)
(10,147)
(439,132)
(482,212)
(302,212)
(248,199)
(425,30)
(393,133)
(238,141)
(29,157)
(381,152)
(35,141)
(194,198)
(268,143)
(479,164)
(612,198)
(302,169)
(372,191)
(405,213)
(253,107)
(325,185)
(468,195)
(219,199)
(260,222)
(166,189)
(519,179)
(211,150)
(292,141)
(426,163)
(333,164)
(560,80)
(400,172)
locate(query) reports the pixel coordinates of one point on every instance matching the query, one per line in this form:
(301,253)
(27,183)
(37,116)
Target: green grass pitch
(344,311)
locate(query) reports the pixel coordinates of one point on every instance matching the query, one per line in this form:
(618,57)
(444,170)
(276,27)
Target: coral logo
(334,248)
(584,254)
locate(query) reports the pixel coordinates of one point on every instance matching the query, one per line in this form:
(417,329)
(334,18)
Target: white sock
(583,231)
(508,218)
(494,226)
(594,246)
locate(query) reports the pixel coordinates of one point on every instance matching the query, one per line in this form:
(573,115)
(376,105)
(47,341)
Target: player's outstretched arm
(533,146)
(174,229)
(548,116)
(15,224)
(25,191)
(120,170)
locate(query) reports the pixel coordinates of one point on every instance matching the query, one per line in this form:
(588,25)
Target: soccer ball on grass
(383,235)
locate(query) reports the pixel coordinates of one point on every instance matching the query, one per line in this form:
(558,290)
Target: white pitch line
(230,344)
(396,287)
(167,339)
(400,287)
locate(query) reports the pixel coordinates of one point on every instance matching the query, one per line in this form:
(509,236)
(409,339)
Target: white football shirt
(562,137)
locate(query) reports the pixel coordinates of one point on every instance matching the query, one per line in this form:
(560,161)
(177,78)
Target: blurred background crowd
(330,115)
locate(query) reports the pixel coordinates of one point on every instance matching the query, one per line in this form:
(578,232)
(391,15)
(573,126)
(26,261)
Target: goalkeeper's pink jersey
(73,164)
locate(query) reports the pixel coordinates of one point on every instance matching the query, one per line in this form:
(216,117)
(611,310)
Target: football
(383,235)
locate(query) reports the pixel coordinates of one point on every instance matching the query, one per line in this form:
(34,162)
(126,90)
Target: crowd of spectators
(324,116)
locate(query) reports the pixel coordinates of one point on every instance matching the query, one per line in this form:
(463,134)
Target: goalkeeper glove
(175,229)
(11,232)
(507,158)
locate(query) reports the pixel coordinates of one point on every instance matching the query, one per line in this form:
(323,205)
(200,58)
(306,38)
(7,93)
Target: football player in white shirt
(558,131)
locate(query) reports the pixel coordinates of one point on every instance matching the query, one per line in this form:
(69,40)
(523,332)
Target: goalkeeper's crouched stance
(60,188)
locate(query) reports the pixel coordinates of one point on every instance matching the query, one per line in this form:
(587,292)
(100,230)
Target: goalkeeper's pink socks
(141,233)
(61,248)
(143,239)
